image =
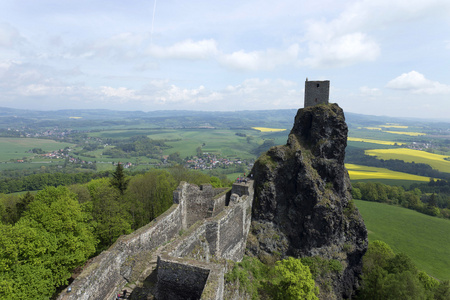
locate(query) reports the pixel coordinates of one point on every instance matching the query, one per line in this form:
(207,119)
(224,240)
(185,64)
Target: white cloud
(417,83)
(349,38)
(260,60)
(121,93)
(256,93)
(342,51)
(366,91)
(188,49)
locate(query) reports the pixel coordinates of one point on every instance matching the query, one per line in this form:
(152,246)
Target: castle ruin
(180,255)
(316,92)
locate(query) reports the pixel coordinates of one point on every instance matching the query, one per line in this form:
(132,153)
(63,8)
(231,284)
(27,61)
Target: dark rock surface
(302,205)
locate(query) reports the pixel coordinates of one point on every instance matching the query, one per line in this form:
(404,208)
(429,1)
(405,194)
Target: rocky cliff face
(303,204)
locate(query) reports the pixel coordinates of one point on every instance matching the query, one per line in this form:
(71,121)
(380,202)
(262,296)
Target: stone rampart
(217,231)
(206,244)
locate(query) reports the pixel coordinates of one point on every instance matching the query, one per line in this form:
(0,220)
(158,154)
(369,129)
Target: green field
(16,148)
(424,238)
(436,161)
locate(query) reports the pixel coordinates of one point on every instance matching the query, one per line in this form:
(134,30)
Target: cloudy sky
(383,57)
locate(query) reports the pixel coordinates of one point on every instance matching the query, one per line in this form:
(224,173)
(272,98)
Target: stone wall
(185,250)
(205,247)
(316,92)
(108,272)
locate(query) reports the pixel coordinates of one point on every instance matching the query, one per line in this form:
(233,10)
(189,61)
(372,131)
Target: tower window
(317,85)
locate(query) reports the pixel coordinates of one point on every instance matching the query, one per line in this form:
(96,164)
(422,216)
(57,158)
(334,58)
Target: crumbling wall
(205,245)
(178,279)
(202,202)
(185,251)
(125,259)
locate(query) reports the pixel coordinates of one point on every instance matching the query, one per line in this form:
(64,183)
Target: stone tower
(316,92)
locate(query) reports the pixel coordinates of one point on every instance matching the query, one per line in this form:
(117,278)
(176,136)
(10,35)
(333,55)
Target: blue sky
(383,57)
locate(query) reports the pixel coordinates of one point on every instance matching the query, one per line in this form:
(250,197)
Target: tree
(442,292)
(294,282)
(389,276)
(378,253)
(23,204)
(149,195)
(39,252)
(119,180)
(356,193)
(110,216)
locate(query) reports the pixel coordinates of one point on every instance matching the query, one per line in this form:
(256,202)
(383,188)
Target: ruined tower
(316,92)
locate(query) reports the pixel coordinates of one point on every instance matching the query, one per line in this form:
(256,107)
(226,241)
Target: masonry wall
(125,259)
(205,243)
(179,279)
(317,92)
(186,250)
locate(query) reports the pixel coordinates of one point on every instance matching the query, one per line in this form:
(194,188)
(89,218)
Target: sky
(382,57)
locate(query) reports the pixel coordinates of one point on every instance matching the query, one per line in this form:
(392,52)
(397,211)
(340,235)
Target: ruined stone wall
(205,244)
(125,259)
(201,204)
(189,248)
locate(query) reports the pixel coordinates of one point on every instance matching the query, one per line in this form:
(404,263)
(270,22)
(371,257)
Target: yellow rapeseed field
(394,126)
(436,161)
(406,133)
(373,128)
(265,129)
(358,172)
(352,139)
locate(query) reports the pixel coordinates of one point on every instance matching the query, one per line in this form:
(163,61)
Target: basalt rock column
(302,205)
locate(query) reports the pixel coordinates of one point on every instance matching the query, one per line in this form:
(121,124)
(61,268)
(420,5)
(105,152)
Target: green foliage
(287,279)
(215,182)
(320,267)
(356,193)
(119,180)
(390,276)
(38,253)
(39,181)
(139,145)
(250,274)
(180,173)
(149,195)
(377,255)
(110,216)
(294,281)
(442,292)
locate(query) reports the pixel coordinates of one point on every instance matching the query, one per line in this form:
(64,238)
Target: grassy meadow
(436,161)
(424,238)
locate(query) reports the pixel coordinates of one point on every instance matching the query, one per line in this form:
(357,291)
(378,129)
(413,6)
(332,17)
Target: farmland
(406,133)
(265,129)
(436,161)
(390,143)
(424,238)
(15,148)
(365,173)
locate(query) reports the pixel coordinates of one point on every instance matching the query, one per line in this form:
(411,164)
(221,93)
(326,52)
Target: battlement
(316,92)
(180,250)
